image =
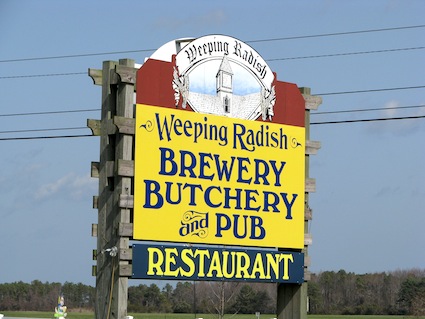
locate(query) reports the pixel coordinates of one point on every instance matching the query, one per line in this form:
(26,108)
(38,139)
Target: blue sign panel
(208,263)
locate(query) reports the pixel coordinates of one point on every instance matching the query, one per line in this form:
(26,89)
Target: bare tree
(221,297)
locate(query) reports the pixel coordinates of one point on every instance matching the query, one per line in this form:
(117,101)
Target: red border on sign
(154,87)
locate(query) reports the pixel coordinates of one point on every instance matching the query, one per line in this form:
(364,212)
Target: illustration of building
(225,102)
(224,84)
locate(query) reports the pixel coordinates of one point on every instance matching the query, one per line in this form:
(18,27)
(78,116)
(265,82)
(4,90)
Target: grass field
(90,315)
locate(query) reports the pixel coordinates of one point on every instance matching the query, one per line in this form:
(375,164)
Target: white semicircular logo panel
(223,76)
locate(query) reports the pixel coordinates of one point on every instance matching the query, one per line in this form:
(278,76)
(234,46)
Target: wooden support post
(123,186)
(105,199)
(292,299)
(113,267)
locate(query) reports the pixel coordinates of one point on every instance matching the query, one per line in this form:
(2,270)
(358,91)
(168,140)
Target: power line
(45,130)
(369,110)
(43,137)
(373,90)
(268,60)
(335,34)
(75,55)
(315,113)
(248,41)
(344,54)
(313,123)
(40,75)
(49,112)
(371,120)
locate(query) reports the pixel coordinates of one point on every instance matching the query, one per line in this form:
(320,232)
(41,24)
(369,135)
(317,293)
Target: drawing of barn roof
(242,106)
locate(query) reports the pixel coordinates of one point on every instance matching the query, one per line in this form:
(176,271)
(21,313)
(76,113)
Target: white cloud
(203,78)
(244,82)
(398,127)
(72,185)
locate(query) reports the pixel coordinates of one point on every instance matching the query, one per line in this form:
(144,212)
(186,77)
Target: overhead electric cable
(44,130)
(315,113)
(369,110)
(313,123)
(40,75)
(85,73)
(336,34)
(343,54)
(248,41)
(373,90)
(50,112)
(75,55)
(268,60)
(371,120)
(43,137)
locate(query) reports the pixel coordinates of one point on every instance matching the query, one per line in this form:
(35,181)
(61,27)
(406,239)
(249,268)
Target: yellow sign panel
(211,179)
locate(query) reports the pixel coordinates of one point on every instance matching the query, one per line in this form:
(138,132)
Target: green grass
(360,317)
(47,315)
(90,315)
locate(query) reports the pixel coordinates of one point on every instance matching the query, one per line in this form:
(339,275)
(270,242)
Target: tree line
(330,292)
(38,296)
(394,293)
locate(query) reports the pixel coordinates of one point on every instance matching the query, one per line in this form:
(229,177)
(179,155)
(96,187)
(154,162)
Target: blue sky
(368,211)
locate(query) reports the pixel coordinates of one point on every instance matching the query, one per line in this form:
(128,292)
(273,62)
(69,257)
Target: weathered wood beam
(125,270)
(312,147)
(125,125)
(307,261)
(127,74)
(125,254)
(308,213)
(126,201)
(110,168)
(94,230)
(308,239)
(125,229)
(95,201)
(310,185)
(96,76)
(312,102)
(94,126)
(125,168)
(94,169)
